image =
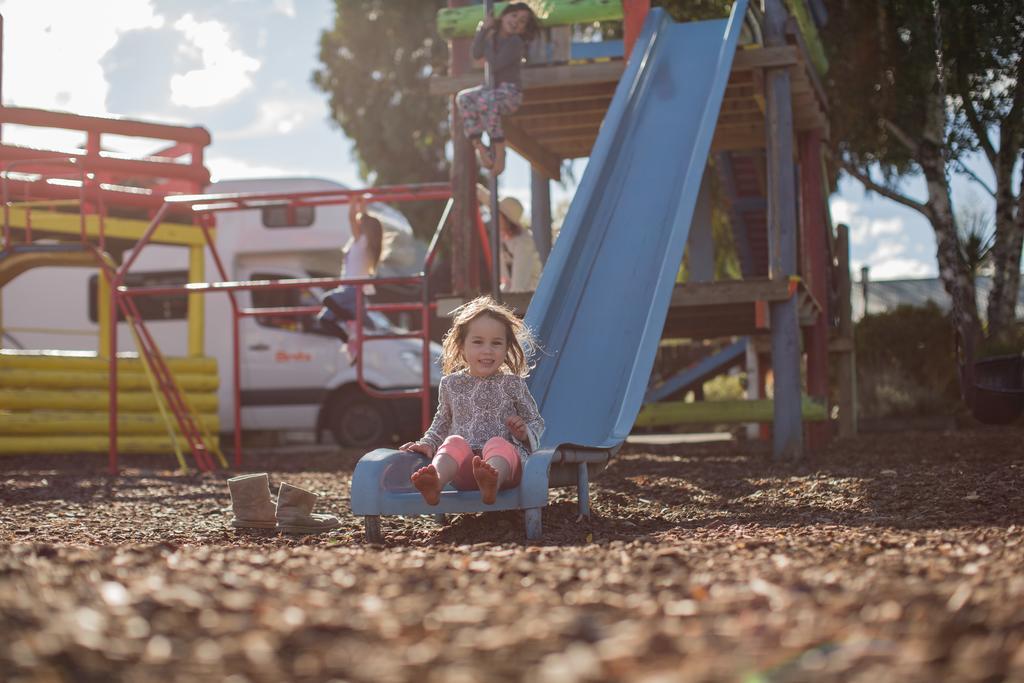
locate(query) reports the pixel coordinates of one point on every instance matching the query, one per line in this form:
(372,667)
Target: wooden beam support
(738,140)
(722,292)
(540,125)
(540,157)
(533,111)
(586,91)
(764,58)
(560,76)
(568,138)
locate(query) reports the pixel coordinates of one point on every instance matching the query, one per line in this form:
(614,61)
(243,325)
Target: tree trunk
(1009,233)
(956,276)
(953,270)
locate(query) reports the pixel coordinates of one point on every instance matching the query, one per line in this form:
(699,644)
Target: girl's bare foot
(483,154)
(498,164)
(487,479)
(427,482)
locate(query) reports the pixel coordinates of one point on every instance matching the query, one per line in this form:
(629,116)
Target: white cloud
(228,168)
(900,268)
(842,209)
(865,230)
(880,227)
(285,7)
(892,241)
(278,117)
(225,72)
(886,251)
(58,47)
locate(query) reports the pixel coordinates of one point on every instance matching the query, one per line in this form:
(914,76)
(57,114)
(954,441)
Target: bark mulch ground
(888,558)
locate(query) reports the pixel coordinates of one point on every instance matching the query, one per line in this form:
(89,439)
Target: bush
(906,363)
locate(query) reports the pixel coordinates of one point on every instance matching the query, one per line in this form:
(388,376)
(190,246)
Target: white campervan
(294,377)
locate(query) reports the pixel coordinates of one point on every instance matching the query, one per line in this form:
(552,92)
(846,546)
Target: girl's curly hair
(532,24)
(519,340)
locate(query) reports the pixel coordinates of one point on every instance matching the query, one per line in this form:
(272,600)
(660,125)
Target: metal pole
(495,225)
(112,370)
(864,279)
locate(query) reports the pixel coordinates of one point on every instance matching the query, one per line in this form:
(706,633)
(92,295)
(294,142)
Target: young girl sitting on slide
(487,423)
(502,43)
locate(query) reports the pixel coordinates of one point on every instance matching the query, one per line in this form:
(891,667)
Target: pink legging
(459,450)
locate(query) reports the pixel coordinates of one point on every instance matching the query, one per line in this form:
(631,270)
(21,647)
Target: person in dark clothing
(502,42)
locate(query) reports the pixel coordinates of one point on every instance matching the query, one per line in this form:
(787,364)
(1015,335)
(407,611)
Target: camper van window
(169,307)
(288,216)
(280,298)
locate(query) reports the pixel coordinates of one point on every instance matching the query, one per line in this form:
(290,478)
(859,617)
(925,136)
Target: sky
(242,69)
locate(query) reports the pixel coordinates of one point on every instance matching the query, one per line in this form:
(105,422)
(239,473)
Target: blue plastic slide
(601,303)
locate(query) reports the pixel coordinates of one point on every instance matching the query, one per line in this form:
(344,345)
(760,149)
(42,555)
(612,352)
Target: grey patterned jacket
(475,408)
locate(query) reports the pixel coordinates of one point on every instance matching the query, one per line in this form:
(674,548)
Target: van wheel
(359,421)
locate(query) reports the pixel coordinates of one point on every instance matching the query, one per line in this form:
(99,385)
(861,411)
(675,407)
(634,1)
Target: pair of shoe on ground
(292,513)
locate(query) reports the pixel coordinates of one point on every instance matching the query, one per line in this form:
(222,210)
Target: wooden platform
(564,105)
(706,310)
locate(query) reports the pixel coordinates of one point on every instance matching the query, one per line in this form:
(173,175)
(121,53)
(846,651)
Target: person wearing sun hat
(520,262)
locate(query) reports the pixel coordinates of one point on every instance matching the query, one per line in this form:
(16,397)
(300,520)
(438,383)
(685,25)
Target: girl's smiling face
(485,346)
(514,23)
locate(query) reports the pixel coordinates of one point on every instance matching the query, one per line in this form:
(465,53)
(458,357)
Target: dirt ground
(888,558)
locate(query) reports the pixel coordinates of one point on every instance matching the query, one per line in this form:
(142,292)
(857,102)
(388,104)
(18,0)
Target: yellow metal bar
(50,330)
(93,400)
(85,361)
(103,312)
(47,202)
(670,413)
(22,445)
(196,305)
(45,423)
(115,228)
(91,379)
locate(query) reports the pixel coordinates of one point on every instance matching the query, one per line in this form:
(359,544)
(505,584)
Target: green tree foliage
(906,363)
(917,85)
(986,77)
(376,62)
(695,10)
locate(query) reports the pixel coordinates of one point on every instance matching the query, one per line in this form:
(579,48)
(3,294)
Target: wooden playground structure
(768,153)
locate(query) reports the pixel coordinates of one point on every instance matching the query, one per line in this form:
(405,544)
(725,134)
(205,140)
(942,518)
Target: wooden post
(787,432)
(754,385)
(463,174)
(847,367)
(764,364)
(540,213)
(634,13)
(700,248)
(815,250)
(492,181)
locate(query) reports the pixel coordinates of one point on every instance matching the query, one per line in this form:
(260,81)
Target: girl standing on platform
(487,423)
(502,42)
